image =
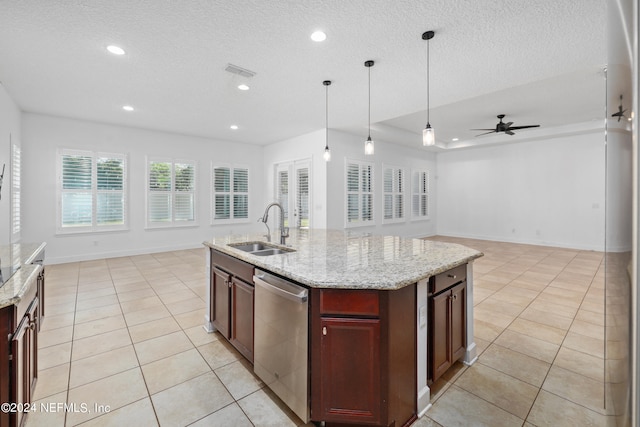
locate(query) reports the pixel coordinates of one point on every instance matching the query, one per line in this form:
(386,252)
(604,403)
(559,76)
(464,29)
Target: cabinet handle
(455,296)
(453,276)
(324,330)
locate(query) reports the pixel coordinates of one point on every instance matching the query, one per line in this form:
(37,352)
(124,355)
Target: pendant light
(428,134)
(327,152)
(368,144)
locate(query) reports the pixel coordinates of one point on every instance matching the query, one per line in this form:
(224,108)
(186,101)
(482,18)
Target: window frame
(172,222)
(399,188)
(94,227)
(419,192)
(360,222)
(231,193)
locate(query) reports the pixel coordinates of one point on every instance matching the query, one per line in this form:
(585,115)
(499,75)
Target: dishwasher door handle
(293,293)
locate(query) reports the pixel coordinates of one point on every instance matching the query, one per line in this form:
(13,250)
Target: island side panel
(471,354)
(208,316)
(402,357)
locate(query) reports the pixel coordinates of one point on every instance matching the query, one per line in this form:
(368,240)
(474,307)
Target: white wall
(343,146)
(43,135)
(308,146)
(10,120)
(544,192)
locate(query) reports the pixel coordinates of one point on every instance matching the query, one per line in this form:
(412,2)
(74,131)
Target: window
(15,191)
(294,192)
(230,198)
(171,196)
(420,194)
(359,191)
(393,197)
(92,191)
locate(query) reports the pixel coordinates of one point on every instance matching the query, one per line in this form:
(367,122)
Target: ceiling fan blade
(508,132)
(523,127)
(486,133)
(508,125)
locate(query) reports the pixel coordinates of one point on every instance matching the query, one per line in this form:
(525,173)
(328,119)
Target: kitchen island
(375,310)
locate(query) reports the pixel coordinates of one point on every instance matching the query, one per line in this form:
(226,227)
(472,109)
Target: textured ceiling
(548,53)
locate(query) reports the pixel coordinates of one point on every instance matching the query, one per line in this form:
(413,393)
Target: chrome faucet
(284,231)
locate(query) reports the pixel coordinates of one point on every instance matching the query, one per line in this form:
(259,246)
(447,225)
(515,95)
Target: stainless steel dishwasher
(281,340)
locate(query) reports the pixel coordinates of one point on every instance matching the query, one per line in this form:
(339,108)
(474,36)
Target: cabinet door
(439,335)
(458,328)
(350,370)
(242,317)
(22,365)
(220,293)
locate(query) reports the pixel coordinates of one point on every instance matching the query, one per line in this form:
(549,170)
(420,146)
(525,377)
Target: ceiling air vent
(239,70)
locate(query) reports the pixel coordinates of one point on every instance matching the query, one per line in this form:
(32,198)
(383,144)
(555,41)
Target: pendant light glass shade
(428,134)
(369,148)
(327,152)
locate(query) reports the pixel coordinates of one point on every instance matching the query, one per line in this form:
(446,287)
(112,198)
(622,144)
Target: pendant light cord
(369,102)
(428,66)
(326,125)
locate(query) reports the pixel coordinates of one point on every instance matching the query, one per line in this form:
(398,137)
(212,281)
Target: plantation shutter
(160,186)
(184,205)
(77,197)
(302,199)
(359,183)
(110,203)
(240,193)
(283,193)
(230,193)
(16,167)
(420,197)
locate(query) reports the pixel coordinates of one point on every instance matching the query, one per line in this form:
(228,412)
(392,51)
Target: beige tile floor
(123,341)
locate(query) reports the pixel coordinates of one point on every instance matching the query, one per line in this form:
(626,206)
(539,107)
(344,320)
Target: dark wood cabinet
(242,317)
(221,296)
(363,356)
(447,330)
(351,358)
(19,355)
(232,298)
(24,361)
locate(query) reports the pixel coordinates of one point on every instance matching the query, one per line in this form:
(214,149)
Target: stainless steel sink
(251,247)
(261,248)
(266,252)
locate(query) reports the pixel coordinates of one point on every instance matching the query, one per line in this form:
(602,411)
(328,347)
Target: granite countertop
(347,260)
(20,256)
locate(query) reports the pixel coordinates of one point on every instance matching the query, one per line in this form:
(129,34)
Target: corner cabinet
(232,301)
(447,321)
(363,356)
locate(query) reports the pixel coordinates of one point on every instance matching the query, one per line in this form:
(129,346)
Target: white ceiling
(537,61)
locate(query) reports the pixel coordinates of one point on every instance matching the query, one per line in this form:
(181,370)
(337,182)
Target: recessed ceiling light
(318,36)
(243,87)
(454,139)
(234,127)
(116,50)
(127,108)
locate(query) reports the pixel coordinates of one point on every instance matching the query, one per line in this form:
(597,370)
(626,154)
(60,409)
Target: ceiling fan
(505,127)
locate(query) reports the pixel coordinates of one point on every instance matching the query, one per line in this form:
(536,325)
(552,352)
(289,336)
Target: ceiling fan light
(369,148)
(428,136)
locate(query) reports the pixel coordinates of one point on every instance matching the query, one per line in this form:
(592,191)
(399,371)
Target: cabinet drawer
(350,302)
(233,265)
(444,280)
